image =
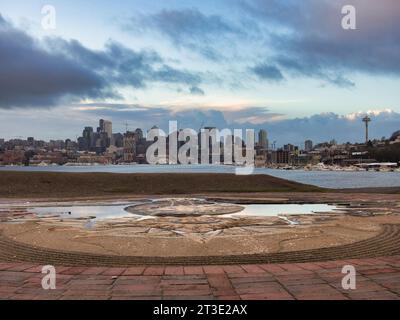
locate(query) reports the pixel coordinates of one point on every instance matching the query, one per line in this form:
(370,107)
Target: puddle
(273,210)
(284,211)
(115,211)
(93,213)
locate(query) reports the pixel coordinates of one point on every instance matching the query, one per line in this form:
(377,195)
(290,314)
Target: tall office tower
(105,126)
(87,139)
(308,145)
(104,132)
(263,139)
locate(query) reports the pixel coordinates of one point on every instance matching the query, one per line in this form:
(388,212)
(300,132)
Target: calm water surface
(98,213)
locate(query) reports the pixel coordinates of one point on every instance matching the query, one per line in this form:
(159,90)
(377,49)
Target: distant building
(280,157)
(56,144)
(12,157)
(308,145)
(70,145)
(139,134)
(104,136)
(105,126)
(129,147)
(117,140)
(97,141)
(85,142)
(289,147)
(31,141)
(263,139)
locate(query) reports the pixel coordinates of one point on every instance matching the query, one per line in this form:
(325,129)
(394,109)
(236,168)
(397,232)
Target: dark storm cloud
(308,38)
(31,76)
(300,38)
(44,74)
(123,66)
(268,72)
(189,28)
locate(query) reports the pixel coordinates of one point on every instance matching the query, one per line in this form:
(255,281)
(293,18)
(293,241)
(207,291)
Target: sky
(283,65)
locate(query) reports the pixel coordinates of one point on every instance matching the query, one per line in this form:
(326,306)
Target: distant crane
(126,124)
(366,120)
(201,126)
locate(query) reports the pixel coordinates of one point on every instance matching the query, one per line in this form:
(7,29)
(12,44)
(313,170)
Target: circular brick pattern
(176,207)
(387,243)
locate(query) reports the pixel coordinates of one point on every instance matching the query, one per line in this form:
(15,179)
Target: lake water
(327,179)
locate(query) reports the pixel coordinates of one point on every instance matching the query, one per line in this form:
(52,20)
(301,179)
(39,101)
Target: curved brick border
(387,243)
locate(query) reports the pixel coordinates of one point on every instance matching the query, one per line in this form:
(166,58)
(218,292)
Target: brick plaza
(377,278)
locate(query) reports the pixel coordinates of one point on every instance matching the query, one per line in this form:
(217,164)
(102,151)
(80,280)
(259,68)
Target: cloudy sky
(284,65)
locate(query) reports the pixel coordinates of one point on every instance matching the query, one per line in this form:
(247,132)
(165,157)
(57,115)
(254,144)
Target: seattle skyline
(253,64)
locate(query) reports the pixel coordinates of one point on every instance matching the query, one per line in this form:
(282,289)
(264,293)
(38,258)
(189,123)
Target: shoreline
(70,186)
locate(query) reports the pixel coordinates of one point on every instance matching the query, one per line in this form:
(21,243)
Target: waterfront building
(308,145)
(9,157)
(280,157)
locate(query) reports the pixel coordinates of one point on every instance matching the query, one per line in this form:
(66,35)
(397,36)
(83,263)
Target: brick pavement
(377,278)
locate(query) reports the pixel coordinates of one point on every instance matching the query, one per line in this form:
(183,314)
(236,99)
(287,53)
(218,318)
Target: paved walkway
(377,278)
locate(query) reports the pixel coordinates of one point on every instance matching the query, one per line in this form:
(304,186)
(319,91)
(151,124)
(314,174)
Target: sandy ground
(343,231)
(239,236)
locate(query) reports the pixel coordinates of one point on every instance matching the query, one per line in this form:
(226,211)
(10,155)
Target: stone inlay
(184,208)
